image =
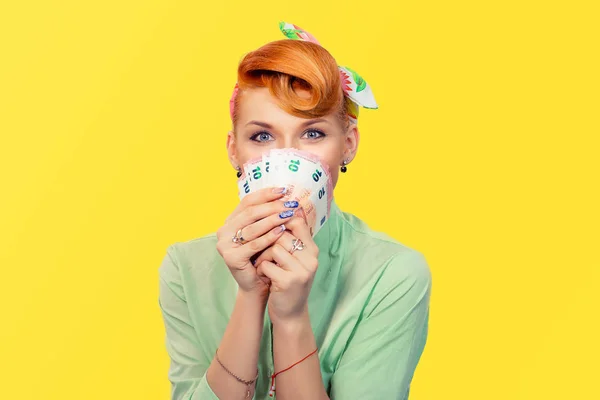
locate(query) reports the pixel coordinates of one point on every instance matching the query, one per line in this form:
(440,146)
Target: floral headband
(355,87)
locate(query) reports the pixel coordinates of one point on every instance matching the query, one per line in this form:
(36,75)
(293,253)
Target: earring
(239,172)
(344,169)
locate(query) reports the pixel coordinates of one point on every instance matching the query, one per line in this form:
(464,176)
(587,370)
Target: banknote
(306,176)
(311,186)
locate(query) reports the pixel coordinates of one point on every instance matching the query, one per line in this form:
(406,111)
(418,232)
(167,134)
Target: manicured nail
(280,190)
(291,204)
(286,213)
(278,229)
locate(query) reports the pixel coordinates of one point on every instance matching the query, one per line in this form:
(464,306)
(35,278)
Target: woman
(346,311)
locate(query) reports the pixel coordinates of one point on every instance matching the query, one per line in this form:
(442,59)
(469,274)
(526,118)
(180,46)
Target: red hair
(286,65)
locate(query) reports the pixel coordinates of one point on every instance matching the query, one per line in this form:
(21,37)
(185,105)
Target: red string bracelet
(272,391)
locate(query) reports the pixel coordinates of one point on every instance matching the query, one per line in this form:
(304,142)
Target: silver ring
(237,238)
(297,245)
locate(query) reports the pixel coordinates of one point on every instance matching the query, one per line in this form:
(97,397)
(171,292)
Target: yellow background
(483,155)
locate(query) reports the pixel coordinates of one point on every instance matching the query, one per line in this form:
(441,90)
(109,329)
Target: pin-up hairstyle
(283,66)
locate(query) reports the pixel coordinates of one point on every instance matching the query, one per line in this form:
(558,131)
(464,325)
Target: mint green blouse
(368,306)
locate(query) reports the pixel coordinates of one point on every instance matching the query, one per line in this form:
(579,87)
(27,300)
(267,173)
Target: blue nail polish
(291,204)
(286,214)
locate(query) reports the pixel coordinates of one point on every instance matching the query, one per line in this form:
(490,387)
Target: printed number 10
(317,175)
(321,193)
(294,165)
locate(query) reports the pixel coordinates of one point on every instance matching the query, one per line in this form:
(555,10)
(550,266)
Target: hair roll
(284,66)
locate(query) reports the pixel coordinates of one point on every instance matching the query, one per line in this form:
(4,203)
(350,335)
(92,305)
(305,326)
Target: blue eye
(316,131)
(261,134)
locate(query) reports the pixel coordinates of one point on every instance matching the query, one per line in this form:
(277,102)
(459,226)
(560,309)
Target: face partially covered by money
(307,178)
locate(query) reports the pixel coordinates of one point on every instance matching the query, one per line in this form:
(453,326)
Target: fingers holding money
(252,213)
(256,234)
(258,220)
(262,196)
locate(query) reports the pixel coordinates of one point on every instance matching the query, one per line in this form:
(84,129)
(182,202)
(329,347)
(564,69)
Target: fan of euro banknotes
(308,181)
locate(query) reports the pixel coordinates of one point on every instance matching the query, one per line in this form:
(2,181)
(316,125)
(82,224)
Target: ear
(351,142)
(231,149)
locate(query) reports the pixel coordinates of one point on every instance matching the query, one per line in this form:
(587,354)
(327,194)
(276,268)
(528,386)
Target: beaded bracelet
(245,382)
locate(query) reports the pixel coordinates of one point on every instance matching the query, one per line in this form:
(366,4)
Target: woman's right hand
(260,215)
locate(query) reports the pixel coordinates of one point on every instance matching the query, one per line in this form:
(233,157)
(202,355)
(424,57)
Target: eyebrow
(304,124)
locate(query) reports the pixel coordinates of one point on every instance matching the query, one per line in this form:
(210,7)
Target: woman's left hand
(291,278)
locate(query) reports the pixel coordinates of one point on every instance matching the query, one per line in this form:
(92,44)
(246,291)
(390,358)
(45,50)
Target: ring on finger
(296,245)
(238,238)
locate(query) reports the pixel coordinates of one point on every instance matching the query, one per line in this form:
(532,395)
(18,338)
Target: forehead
(259,104)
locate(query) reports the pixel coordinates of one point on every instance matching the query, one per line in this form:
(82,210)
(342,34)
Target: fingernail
(280,190)
(278,229)
(291,204)
(286,213)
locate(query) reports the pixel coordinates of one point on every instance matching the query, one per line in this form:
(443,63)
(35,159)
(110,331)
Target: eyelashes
(260,133)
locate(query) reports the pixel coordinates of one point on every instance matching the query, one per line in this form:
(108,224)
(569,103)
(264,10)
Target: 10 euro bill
(307,178)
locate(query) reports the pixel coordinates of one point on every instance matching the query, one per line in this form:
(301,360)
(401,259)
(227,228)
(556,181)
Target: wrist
(253,296)
(296,325)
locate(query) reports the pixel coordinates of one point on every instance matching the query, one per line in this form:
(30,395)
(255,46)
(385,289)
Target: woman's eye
(314,134)
(261,137)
